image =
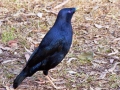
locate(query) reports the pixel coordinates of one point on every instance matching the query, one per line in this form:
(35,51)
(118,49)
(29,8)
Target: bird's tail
(25,73)
(19,79)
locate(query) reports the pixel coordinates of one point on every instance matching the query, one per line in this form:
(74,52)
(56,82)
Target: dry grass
(96,28)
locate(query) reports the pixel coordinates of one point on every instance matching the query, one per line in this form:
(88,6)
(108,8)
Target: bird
(52,49)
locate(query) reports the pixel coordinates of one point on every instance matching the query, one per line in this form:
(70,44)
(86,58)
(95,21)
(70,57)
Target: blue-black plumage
(52,49)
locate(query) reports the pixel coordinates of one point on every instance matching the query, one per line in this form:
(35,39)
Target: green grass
(8,34)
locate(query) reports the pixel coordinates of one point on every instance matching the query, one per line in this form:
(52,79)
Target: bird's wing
(41,53)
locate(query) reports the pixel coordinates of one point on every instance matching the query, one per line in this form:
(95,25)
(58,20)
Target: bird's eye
(69,11)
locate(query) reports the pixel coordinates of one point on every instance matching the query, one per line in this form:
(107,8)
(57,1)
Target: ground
(93,60)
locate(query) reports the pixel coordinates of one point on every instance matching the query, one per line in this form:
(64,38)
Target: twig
(7,61)
(58,6)
(117,39)
(48,11)
(23,14)
(113,68)
(69,61)
(28,51)
(107,56)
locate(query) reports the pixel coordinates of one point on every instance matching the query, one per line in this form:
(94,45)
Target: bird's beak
(77,8)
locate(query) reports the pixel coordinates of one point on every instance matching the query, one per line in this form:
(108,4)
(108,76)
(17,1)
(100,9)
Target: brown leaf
(13,44)
(98,26)
(27,56)
(40,14)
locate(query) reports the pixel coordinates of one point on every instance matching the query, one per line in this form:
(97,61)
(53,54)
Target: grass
(8,34)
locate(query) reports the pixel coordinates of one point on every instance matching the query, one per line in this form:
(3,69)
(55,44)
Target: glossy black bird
(52,49)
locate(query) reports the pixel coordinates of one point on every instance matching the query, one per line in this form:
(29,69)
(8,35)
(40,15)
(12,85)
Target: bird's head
(66,14)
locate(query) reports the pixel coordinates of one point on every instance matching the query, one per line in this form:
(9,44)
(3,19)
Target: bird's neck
(62,22)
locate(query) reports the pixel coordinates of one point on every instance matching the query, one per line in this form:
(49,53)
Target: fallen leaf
(88,17)
(40,14)
(28,51)
(72,72)
(8,61)
(13,44)
(112,60)
(8,88)
(100,61)
(103,74)
(27,56)
(70,59)
(91,88)
(98,88)
(113,53)
(113,68)
(98,26)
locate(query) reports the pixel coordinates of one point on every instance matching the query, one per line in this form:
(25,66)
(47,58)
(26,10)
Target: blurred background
(93,60)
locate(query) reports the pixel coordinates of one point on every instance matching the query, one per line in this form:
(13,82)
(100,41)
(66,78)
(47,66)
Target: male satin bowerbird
(52,49)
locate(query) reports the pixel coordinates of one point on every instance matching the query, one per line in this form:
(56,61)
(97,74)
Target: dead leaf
(35,31)
(13,44)
(27,56)
(74,85)
(113,53)
(100,61)
(32,41)
(8,61)
(107,56)
(88,17)
(8,88)
(95,65)
(98,88)
(28,51)
(113,68)
(98,26)
(103,74)
(70,59)
(40,15)
(116,39)
(112,60)
(72,72)
(91,88)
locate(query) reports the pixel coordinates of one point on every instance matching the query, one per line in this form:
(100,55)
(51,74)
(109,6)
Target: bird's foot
(40,81)
(55,79)
(54,84)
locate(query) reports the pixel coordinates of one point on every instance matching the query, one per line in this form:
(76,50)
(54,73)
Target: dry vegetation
(94,58)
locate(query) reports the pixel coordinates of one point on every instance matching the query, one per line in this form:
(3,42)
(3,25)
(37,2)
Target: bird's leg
(53,78)
(40,81)
(54,84)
